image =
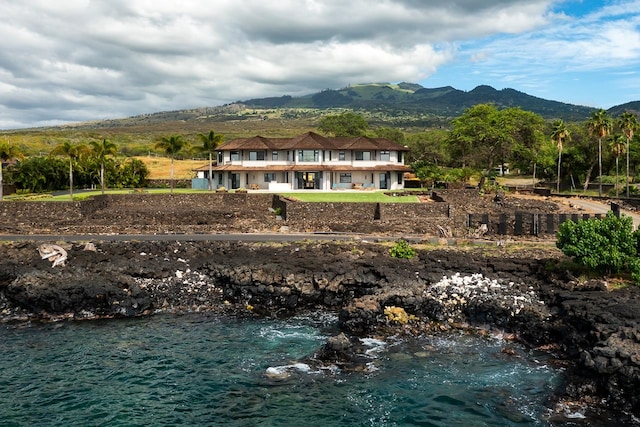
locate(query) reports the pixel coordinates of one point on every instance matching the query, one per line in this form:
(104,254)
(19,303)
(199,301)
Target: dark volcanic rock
(595,330)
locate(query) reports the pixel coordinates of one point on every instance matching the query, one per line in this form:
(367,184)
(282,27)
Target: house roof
(312,141)
(307,168)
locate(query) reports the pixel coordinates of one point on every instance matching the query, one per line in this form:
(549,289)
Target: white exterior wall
(287,180)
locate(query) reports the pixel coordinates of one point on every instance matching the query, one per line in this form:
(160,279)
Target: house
(307,162)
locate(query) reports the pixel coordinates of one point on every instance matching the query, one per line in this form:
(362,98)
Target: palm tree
(628,122)
(73,151)
(209,144)
(172,145)
(7,152)
(101,150)
(600,124)
(559,134)
(617,146)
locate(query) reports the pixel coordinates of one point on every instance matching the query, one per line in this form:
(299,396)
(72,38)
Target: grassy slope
(160,167)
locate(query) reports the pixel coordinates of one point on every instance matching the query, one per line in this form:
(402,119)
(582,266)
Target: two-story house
(307,162)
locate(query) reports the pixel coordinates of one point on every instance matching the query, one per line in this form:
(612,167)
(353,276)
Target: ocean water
(199,370)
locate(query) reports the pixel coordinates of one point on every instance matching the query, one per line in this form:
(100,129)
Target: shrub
(605,245)
(634,267)
(401,249)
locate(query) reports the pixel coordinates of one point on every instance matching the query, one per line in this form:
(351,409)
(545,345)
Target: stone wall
(409,218)
(523,223)
(459,211)
(42,217)
(143,213)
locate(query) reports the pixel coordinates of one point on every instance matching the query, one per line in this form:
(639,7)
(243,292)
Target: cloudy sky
(94,59)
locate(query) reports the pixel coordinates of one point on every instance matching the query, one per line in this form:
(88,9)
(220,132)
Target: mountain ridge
(444,101)
(403,104)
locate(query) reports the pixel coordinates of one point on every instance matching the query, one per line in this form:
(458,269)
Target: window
(274,155)
(399,156)
(345,178)
(400,177)
(363,155)
(256,155)
(385,156)
(270,176)
(341,156)
(235,156)
(220,157)
(308,155)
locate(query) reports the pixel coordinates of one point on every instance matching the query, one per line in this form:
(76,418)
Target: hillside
(634,107)
(408,106)
(411,98)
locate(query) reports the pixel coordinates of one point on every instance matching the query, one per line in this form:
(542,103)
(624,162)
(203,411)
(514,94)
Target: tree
(345,124)
(73,152)
(484,135)
(599,125)
(527,141)
(617,147)
(475,137)
(209,144)
(392,134)
(7,152)
(101,150)
(628,122)
(132,173)
(428,146)
(559,134)
(172,145)
(604,245)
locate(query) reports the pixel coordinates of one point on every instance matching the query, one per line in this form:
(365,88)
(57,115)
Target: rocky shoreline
(526,293)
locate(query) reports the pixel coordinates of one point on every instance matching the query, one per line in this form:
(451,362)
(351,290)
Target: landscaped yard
(350,196)
(303,196)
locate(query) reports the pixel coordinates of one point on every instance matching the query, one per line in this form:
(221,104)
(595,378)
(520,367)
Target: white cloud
(81,59)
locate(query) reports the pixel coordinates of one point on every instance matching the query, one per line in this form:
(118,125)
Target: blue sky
(588,54)
(81,60)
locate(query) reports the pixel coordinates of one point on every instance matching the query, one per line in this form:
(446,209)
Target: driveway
(593,206)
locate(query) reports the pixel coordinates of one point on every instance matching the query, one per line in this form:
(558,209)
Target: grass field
(160,167)
(350,197)
(323,196)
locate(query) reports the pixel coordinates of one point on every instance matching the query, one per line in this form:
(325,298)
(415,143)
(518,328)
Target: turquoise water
(196,370)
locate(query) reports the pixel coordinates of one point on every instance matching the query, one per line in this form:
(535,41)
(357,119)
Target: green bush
(634,267)
(401,249)
(605,245)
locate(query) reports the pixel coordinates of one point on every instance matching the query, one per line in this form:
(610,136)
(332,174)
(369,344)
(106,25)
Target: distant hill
(634,107)
(412,98)
(407,105)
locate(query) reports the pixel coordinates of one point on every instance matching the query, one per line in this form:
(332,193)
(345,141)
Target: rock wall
(143,213)
(207,212)
(399,218)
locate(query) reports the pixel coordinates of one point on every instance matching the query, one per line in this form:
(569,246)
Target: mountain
(633,107)
(384,104)
(413,98)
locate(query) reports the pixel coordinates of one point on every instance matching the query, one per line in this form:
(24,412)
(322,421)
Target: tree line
(97,163)
(477,143)
(484,139)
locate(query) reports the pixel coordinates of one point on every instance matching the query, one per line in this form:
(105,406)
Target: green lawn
(352,197)
(321,196)
(82,195)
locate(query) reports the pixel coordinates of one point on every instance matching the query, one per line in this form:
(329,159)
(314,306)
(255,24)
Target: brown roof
(307,167)
(311,141)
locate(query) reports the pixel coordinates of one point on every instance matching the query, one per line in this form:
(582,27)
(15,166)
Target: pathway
(593,206)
